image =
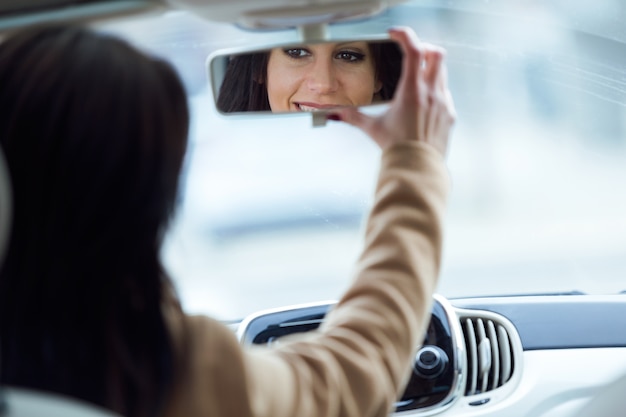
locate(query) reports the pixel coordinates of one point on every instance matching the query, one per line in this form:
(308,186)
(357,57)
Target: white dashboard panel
(554,383)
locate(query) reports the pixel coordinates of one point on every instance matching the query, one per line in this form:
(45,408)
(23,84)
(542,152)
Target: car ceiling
(13,7)
(17,13)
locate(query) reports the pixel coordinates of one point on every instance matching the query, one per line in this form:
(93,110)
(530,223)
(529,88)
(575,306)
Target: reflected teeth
(307,108)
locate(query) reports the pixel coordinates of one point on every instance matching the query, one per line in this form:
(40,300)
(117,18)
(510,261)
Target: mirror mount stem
(317,32)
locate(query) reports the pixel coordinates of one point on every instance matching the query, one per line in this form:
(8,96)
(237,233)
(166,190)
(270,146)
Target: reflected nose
(322,78)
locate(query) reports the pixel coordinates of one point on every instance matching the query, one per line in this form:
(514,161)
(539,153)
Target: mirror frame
(217,57)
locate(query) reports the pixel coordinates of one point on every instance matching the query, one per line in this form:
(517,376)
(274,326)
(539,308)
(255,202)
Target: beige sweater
(357,362)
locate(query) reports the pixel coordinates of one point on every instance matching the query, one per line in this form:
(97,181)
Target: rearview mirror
(305,77)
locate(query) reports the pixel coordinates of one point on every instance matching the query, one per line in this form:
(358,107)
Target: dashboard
(525,355)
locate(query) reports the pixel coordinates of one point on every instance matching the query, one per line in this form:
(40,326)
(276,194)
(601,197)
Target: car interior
(526,322)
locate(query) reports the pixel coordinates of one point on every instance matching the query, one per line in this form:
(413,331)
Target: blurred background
(272,209)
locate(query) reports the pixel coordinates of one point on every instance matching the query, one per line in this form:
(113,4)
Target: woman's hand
(422,108)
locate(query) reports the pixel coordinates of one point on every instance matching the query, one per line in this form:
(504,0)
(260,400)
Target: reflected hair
(244,86)
(388,60)
(94,133)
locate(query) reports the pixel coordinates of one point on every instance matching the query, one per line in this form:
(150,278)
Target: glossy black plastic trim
(426,394)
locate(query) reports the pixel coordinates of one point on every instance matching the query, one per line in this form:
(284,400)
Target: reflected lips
(311,107)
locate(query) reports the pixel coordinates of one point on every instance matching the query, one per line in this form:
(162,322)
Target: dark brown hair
(244,87)
(94,134)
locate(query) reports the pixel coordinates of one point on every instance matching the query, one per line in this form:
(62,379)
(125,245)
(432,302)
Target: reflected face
(321,76)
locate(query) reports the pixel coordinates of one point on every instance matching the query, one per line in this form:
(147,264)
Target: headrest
(5,206)
(26,403)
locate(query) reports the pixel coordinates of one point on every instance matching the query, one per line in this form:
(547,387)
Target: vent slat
(484,355)
(505,354)
(495,356)
(472,356)
(489,354)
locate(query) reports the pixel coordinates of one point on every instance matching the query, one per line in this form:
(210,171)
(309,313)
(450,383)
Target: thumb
(352,116)
(368,124)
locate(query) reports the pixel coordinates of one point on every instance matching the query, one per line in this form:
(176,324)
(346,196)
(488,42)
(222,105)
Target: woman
(311,77)
(94,135)
(5,206)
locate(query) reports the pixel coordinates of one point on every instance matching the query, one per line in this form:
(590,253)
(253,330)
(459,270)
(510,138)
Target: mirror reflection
(309,77)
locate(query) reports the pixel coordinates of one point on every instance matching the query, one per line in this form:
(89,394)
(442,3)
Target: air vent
(489,350)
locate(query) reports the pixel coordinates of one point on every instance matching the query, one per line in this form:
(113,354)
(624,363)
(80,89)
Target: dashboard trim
(560,321)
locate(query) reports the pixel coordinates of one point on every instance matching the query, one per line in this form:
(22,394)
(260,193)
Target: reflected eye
(296,52)
(350,56)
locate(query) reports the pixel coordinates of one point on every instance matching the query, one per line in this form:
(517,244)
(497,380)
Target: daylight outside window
(272,209)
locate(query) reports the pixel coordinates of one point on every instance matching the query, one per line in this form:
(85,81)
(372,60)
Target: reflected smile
(312,107)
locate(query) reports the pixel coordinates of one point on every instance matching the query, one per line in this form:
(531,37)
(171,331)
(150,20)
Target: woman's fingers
(354,117)
(430,95)
(411,63)
(433,58)
(422,108)
(443,86)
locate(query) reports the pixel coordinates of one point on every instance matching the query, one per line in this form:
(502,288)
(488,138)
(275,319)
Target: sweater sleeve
(358,361)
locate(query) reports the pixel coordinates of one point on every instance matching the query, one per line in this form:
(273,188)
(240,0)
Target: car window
(272,210)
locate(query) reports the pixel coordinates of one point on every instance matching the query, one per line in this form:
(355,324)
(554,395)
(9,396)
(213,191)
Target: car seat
(25,403)
(16,402)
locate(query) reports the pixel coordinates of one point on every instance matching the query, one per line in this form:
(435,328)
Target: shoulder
(206,341)
(211,377)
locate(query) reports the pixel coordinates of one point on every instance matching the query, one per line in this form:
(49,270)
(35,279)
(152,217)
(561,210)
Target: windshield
(272,209)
